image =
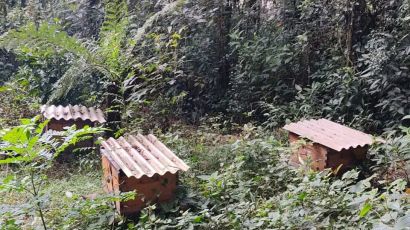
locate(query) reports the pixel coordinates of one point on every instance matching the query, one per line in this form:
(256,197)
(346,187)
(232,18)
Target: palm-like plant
(110,58)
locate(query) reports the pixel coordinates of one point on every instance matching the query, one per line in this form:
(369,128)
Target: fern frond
(112,37)
(150,21)
(78,70)
(42,40)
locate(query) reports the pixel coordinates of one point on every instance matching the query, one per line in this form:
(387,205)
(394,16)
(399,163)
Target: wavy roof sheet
(140,156)
(70,112)
(330,134)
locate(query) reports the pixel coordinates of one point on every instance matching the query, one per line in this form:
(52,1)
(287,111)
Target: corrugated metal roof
(141,156)
(330,134)
(70,112)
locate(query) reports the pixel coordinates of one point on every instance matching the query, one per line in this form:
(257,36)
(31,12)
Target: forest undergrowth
(236,181)
(215,80)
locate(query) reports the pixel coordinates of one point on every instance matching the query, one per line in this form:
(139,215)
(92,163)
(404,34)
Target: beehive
(331,145)
(142,164)
(66,116)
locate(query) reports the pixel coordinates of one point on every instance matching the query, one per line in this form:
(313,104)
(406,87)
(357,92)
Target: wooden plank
(113,163)
(116,187)
(107,182)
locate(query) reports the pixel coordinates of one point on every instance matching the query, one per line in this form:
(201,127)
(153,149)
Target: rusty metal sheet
(140,155)
(70,112)
(330,134)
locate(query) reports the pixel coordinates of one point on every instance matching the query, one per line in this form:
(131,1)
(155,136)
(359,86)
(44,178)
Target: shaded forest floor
(204,149)
(63,181)
(236,181)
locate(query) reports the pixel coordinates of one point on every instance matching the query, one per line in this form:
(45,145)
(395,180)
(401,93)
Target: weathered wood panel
(322,157)
(149,191)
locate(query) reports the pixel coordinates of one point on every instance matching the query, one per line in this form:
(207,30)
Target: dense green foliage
(252,60)
(215,79)
(244,182)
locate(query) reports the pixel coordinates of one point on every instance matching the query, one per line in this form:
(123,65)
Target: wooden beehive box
(66,116)
(330,144)
(142,164)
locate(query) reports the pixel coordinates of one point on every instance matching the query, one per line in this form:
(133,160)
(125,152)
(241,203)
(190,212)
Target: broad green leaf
(366,208)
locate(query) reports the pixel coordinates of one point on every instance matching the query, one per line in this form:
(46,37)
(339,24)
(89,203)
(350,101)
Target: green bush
(255,188)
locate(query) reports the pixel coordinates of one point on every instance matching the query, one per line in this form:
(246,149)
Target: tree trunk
(91,20)
(224,28)
(3,15)
(113,105)
(356,21)
(289,9)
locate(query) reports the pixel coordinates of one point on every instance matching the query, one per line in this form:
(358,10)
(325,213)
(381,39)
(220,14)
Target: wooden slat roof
(140,156)
(330,134)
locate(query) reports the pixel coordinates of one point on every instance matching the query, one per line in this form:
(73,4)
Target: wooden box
(329,145)
(66,116)
(141,164)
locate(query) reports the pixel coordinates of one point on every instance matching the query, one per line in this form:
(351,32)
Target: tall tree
(3,15)
(224,28)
